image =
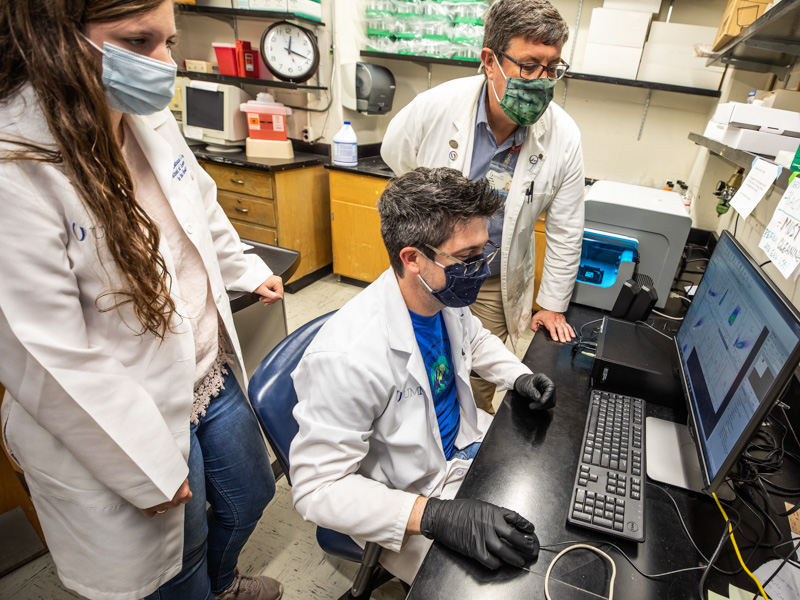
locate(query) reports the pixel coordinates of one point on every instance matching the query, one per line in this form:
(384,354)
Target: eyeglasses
(472,267)
(535,70)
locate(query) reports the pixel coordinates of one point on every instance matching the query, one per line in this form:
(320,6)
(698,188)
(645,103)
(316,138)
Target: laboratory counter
(372,166)
(260,328)
(281,261)
(272,165)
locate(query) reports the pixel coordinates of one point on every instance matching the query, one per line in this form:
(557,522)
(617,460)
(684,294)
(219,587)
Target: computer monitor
(211,114)
(738,346)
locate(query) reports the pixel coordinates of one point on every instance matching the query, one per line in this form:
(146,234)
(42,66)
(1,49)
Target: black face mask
(459,289)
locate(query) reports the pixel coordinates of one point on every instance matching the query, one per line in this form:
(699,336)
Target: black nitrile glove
(488,533)
(538,388)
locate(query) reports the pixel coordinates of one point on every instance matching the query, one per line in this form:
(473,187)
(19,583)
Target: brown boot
(244,587)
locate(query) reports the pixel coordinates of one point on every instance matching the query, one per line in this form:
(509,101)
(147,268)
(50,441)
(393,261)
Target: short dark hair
(427,206)
(537,20)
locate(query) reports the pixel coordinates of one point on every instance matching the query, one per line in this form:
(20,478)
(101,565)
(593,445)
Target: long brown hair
(41,45)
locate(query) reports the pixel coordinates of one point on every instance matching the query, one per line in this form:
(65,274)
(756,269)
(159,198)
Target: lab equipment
(642,304)
(737,349)
(211,114)
(608,493)
(345,146)
(727,190)
(266,121)
(631,232)
(367,88)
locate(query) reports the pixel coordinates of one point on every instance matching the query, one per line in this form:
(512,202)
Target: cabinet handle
(239,181)
(242,210)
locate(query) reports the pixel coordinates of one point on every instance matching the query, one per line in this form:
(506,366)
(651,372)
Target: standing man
(387,424)
(504,128)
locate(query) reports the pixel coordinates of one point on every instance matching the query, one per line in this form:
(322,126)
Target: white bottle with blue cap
(345,147)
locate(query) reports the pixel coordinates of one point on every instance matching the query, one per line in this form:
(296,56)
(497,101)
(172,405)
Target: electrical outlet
(308,134)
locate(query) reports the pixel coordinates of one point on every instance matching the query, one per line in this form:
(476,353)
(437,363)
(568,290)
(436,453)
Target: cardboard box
(697,78)
(651,6)
(674,55)
(759,118)
(201,66)
(611,61)
(619,27)
(757,142)
(680,34)
(782,99)
(738,15)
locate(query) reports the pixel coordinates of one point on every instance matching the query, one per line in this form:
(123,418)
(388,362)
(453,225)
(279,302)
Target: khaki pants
(489,309)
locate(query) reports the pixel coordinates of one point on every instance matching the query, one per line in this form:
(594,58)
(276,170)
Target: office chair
(273,398)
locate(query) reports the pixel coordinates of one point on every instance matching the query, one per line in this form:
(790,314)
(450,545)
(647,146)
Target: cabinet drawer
(356,189)
(247,208)
(245,181)
(257,233)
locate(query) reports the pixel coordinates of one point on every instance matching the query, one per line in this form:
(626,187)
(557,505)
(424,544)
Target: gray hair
(537,20)
(427,206)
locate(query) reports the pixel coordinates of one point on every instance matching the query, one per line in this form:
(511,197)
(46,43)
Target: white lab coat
(96,415)
(437,130)
(368,442)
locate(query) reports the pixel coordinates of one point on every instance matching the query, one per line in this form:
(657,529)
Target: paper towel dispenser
(367,88)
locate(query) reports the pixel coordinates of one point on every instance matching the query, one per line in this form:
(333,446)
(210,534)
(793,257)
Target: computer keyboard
(609,486)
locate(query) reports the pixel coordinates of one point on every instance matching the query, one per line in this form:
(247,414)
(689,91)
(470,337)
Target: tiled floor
(283,545)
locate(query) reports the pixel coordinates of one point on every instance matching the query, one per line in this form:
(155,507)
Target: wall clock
(290,52)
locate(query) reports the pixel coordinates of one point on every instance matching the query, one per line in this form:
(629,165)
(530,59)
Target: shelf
(249,80)
(454,62)
(739,157)
(650,85)
(770,44)
(214,11)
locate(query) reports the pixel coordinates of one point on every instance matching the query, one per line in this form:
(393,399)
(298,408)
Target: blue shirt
(434,344)
(488,156)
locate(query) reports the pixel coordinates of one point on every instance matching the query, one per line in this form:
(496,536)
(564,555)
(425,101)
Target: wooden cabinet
(539,246)
(288,208)
(358,250)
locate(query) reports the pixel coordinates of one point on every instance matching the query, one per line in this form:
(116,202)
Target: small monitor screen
(205,109)
(738,345)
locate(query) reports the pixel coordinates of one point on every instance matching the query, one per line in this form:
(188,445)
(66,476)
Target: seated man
(387,423)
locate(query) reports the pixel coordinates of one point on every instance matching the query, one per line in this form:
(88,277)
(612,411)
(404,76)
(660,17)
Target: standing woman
(115,329)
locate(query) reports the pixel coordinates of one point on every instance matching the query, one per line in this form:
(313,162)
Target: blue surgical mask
(460,290)
(136,84)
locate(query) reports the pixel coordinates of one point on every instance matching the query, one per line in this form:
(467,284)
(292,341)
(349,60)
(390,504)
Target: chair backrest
(271,389)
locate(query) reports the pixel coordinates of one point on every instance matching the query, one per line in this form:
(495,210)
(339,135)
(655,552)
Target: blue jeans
(469,452)
(228,468)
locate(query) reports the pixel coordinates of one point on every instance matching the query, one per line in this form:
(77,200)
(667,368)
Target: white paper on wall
(781,239)
(760,178)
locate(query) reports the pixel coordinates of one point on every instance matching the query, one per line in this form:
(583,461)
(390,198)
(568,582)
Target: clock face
(290,52)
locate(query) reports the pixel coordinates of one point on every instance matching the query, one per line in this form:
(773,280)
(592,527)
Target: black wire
(766,262)
(688,535)
(728,532)
(696,260)
(736,225)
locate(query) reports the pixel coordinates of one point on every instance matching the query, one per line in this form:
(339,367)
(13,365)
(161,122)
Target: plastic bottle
(345,147)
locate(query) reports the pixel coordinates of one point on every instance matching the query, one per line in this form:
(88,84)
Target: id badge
(500,176)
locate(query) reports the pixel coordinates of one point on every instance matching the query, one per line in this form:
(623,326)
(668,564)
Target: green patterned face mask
(524,100)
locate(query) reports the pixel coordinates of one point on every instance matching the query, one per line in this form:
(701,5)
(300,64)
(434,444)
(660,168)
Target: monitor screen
(205,108)
(739,344)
